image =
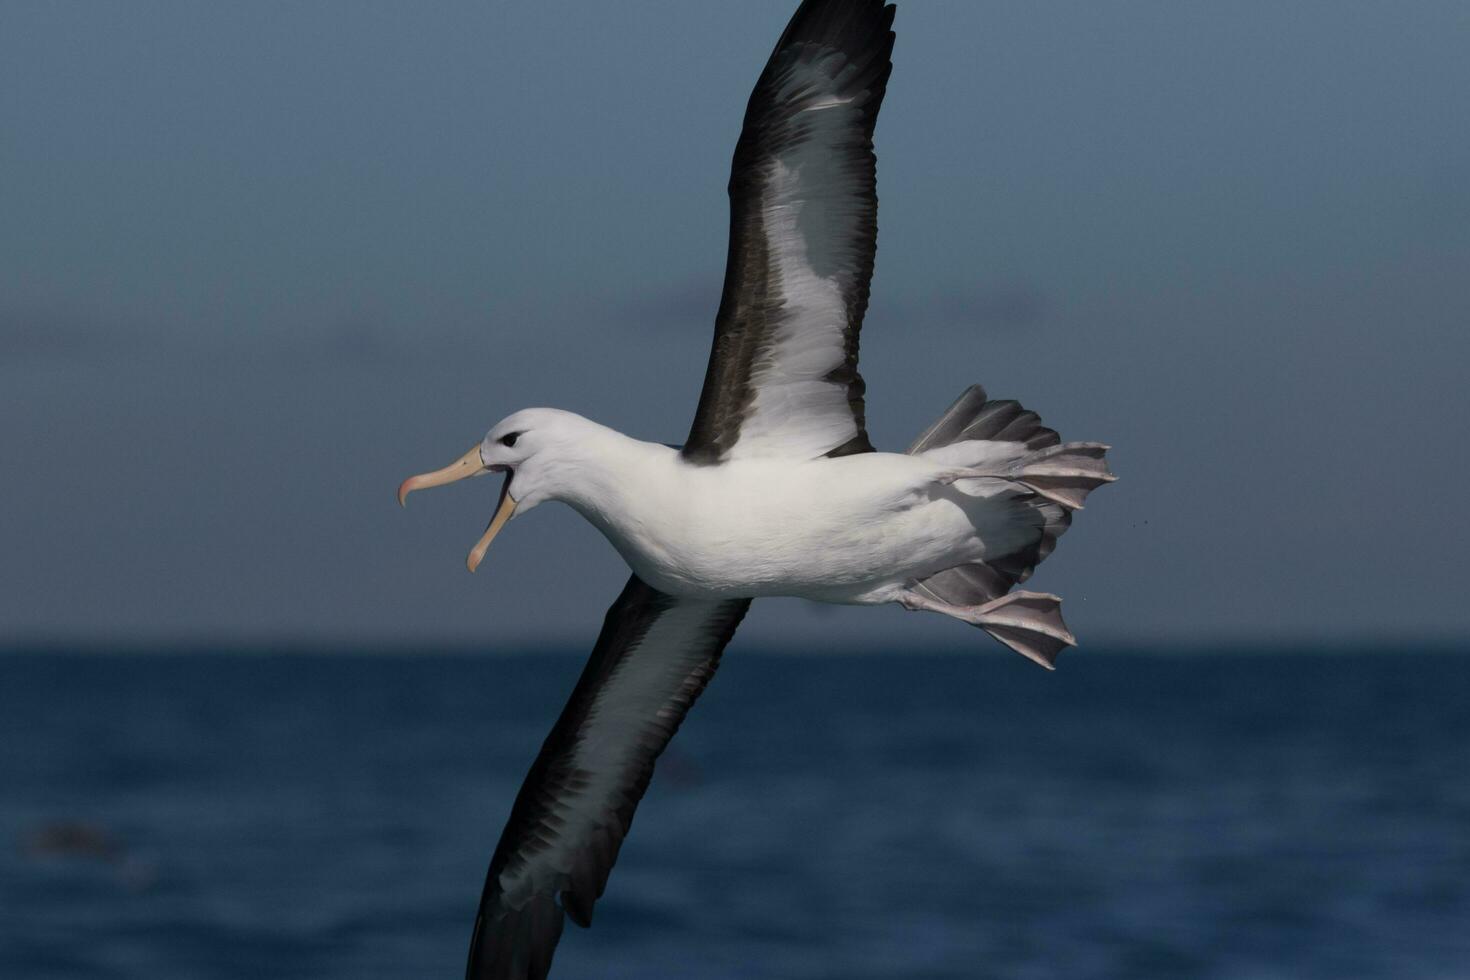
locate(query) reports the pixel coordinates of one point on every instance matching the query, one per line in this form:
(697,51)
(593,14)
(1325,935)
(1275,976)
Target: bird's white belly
(854,529)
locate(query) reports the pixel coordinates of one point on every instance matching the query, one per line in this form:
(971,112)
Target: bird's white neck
(599,473)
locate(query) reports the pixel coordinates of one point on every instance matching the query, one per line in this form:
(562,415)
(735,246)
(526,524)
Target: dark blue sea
(1245,816)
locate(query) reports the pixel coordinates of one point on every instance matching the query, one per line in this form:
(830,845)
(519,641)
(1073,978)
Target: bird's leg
(915,602)
(992,611)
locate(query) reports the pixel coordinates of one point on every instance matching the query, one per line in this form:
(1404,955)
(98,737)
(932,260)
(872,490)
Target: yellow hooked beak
(468,465)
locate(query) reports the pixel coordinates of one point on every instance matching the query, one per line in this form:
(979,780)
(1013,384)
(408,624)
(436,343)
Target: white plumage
(852,529)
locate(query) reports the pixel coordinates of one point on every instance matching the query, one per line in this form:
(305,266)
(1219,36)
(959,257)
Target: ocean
(1233,815)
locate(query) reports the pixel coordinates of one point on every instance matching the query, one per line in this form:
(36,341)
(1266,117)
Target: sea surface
(1247,816)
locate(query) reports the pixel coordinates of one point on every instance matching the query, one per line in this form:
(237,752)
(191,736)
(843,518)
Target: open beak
(468,465)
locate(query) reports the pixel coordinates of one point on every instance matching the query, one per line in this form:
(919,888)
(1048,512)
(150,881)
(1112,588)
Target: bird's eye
(510,440)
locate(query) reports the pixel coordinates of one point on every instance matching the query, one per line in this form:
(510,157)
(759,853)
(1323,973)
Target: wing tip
(864,26)
(515,944)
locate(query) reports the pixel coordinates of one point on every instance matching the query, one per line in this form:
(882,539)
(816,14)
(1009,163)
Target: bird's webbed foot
(1028,622)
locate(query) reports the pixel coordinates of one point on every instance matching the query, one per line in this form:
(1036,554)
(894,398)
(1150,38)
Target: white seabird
(777,490)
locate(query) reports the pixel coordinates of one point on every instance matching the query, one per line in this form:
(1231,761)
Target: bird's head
(536,450)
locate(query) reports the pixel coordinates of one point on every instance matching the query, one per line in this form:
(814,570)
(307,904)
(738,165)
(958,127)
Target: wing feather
(782,377)
(654,656)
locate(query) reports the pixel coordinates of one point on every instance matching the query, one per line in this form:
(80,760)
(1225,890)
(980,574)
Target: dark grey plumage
(806,150)
(974,416)
(654,656)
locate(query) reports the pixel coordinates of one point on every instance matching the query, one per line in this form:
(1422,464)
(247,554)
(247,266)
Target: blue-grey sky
(258,262)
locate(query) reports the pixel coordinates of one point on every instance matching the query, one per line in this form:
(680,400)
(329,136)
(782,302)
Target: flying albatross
(776,492)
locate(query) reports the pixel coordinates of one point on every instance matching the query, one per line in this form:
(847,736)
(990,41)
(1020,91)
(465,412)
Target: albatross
(777,490)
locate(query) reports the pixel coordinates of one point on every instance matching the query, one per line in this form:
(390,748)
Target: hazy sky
(258,262)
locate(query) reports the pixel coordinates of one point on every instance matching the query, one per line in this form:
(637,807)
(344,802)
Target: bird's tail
(1001,451)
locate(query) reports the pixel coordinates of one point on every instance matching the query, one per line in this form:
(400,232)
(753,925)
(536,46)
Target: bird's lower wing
(654,656)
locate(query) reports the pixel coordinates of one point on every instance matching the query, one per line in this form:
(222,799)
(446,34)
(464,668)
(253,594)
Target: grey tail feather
(1018,565)
(1065,473)
(967,585)
(1053,480)
(976,583)
(974,416)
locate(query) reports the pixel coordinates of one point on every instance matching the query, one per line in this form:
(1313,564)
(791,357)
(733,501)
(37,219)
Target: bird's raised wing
(782,377)
(653,658)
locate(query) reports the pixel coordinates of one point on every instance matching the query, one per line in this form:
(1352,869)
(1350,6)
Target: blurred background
(260,262)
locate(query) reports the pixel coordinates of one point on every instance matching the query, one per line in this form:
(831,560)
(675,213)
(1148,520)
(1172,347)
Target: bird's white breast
(834,529)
